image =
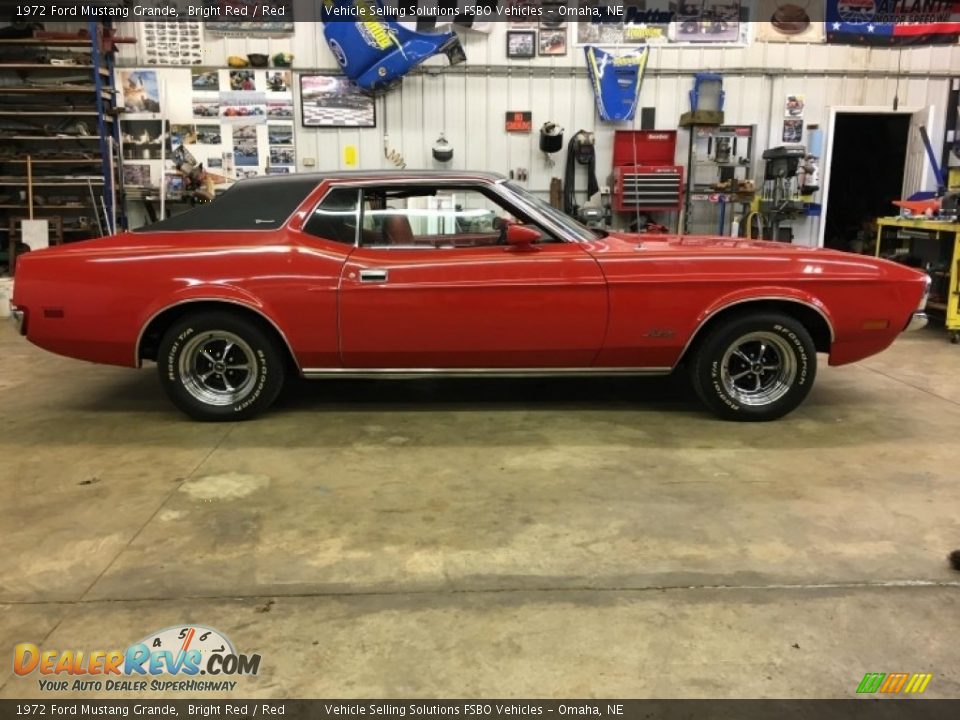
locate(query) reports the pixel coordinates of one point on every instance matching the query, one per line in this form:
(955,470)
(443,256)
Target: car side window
(336,217)
(433,217)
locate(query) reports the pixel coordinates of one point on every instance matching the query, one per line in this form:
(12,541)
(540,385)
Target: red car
(412,274)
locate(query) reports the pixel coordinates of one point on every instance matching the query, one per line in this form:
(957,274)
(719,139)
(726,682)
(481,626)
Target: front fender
(766,292)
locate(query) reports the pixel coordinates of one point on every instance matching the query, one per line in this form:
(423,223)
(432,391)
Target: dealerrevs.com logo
(185,652)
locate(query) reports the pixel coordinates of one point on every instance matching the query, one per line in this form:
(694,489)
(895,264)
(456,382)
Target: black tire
(208,386)
(754,367)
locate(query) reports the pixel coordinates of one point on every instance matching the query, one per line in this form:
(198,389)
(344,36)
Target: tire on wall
(754,367)
(220,366)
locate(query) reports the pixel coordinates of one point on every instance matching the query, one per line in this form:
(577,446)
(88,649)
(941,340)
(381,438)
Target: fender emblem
(660,333)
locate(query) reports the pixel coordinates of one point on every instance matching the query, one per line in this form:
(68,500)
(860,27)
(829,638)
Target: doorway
(868,155)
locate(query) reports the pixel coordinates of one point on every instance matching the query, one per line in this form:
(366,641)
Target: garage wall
(468,102)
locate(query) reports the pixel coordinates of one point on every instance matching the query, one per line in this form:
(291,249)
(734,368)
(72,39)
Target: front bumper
(18,316)
(917,321)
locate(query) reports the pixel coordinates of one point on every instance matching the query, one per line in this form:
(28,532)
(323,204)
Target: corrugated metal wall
(468,103)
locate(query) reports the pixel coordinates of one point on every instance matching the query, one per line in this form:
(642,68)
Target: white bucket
(6,292)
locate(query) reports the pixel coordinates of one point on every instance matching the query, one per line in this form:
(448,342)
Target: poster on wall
(334,101)
(707,22)
(137,175)
(793,130)
(279,81)
(280,134)
(787,21)
(205,80)
(892,22)
(141,92)
(206,108)
(627,22)
(182,134)
(208,134)
(279,109)
(245,153)
(793,106)
(243,107)
(141,139)
(173,42)
(281,10)
(242,80)
(651,22)
(281,155)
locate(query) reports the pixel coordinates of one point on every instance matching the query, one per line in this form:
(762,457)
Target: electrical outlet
(309,162)
(605,190)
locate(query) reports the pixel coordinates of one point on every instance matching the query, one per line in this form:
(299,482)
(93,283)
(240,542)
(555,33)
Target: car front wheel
(220,366)
(755,367)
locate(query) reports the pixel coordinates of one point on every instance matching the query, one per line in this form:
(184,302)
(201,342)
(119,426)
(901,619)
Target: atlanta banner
(888,23)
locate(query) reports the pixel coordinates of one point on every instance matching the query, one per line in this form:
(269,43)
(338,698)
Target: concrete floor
(493,538)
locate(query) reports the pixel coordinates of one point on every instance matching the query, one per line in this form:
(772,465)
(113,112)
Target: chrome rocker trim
(415,373)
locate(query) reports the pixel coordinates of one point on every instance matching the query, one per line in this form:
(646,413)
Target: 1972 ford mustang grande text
(405,274)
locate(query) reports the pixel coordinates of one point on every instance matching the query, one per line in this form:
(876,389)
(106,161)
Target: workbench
(942,231)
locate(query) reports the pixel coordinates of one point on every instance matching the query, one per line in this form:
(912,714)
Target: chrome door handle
(373,276)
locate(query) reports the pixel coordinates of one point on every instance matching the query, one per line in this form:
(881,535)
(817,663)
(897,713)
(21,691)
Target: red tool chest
(645,175)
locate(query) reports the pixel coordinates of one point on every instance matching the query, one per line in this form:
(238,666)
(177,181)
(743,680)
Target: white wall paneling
(468,102)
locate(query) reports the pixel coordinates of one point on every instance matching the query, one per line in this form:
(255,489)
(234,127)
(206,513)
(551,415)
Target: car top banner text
(651,12)
(882,23)
(603,709)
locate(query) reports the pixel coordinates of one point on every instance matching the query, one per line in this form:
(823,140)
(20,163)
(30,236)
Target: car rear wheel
(220,366)
(755,367)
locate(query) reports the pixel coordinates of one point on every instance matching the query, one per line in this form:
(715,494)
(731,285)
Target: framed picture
(521,43)
(336,102)
(553,42)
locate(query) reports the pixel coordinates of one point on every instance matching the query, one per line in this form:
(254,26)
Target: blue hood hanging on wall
(616,81)
(375,54)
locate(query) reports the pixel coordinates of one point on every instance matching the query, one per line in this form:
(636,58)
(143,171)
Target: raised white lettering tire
(219,366)
(755,367)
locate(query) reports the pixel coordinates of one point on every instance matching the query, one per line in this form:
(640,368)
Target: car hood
(625,255)
(692,244)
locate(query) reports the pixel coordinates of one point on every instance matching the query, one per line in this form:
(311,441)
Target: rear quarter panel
(92,300)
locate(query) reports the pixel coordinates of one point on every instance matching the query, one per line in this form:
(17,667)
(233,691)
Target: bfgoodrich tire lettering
(219,365)
(755,367)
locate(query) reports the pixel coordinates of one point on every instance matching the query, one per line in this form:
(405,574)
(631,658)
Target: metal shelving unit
(58,107)
(712,182)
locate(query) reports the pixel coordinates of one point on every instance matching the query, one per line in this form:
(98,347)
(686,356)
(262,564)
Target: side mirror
(520,235)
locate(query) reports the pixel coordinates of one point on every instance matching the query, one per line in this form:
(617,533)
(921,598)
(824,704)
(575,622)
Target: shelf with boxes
(59,137)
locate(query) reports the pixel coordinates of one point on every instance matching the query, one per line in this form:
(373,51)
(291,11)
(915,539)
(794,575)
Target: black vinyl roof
(265,203)
(255,204)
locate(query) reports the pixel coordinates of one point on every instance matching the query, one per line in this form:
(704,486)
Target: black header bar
(273,11)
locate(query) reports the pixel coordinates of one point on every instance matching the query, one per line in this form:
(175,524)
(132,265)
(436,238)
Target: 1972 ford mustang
(407,274)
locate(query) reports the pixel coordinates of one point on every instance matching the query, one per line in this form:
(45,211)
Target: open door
(917,172)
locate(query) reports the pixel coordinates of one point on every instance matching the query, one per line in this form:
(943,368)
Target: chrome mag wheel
(218,368)
(758,369)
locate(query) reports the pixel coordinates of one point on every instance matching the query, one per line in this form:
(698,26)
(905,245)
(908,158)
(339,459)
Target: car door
(431,285)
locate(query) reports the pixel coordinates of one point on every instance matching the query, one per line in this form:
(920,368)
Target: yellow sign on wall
(350,156)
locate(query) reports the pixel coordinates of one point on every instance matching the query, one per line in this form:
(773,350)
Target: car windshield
(581,232)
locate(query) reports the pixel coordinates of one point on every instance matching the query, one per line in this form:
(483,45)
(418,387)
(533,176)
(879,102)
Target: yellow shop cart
(946,282)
